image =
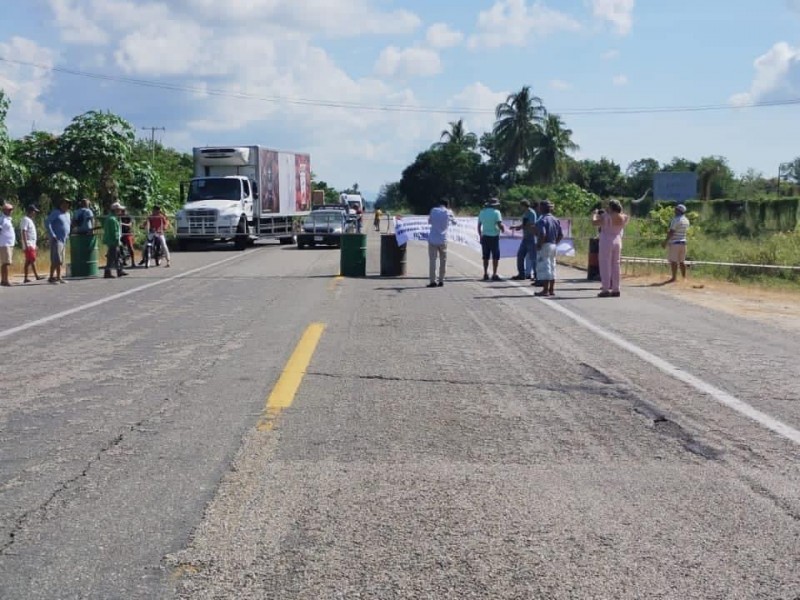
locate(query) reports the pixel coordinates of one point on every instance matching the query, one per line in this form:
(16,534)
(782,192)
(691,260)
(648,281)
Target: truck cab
(217,208)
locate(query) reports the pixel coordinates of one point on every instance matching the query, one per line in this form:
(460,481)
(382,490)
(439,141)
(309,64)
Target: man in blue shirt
(548,236)
(490,225)
(526,255)
(84,219)
(440,220)
(58,224)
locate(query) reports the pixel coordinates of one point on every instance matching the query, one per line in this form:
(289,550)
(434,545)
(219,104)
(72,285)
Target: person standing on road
(377,220)
(58,224)
(611,224)
(440,219)
(83,219)
(548,236)
(490,225)
(112,238)
(526,254)
(158,224)
(676,242)
(27,229)
(8,238)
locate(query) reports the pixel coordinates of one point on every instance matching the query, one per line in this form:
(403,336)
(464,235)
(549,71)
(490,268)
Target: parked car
(323,227)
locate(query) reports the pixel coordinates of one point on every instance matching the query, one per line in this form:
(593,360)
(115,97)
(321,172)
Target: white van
(352,201)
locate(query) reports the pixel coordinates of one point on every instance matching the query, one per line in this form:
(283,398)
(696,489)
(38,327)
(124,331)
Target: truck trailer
(244,193)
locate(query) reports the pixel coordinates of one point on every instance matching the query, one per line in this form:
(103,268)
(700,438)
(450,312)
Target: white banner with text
(465,233)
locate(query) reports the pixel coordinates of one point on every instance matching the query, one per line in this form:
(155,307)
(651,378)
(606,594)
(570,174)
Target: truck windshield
(220,188)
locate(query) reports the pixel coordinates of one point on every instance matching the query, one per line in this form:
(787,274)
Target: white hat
(117,206)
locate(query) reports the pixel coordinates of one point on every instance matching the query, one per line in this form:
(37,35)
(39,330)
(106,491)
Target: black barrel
(393,257)
(353,257)
(593,268)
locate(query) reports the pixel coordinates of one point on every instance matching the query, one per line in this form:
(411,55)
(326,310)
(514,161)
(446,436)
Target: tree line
(529,150)
(98,157)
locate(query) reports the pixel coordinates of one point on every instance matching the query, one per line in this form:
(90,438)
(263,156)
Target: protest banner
(465,233)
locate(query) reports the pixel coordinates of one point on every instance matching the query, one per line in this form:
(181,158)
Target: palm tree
(552,150)
(458,136)
(518,126)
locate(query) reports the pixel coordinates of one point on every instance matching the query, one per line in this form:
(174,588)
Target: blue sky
(292,60)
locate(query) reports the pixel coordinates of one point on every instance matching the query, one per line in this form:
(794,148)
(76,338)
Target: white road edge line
(721,396)
(141,288)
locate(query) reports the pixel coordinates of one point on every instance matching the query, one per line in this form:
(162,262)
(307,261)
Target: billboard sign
(678,186)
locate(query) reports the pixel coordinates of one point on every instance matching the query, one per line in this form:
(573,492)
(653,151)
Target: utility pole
(152,131)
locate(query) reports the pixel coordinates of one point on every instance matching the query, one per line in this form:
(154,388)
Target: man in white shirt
(440,219)
(7,240)
(676,242)
(27,229)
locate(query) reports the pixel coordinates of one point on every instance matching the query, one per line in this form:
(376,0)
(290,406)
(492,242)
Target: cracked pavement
(461,442)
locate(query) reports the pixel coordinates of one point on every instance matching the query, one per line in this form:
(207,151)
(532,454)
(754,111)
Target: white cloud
(440,35)
(617,12)
(481,97)
(559,85)
(408,62)
(514,23)
(777,76)
(337,18)
(75,26)
(25,86)
(619,80)
(610,55)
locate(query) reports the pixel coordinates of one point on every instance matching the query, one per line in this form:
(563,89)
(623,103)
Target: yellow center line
(283,393)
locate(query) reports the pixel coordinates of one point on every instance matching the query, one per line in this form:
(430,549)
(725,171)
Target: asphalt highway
(250,425)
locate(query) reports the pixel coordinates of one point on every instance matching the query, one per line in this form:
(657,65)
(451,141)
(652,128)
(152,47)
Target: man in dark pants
(526,255)
(490,225)
(112,238)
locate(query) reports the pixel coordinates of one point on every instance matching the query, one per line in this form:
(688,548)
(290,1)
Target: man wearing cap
(7,240)
(490,225)
(58,224)
(526,254)
(27,229)
(548,236)
(676,242)
(112,238)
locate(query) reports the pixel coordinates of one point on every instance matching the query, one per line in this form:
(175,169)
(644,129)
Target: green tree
(549,162)
(639,175)
(605,177)
(12,173)
(715,177)
(576,172)
(447,173)
(390,197)
(459,136)
(517,129)
(170,169)
(331,194)
(679,163)
(95,148)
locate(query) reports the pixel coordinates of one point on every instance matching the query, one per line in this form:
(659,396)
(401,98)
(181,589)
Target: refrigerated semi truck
(243,193)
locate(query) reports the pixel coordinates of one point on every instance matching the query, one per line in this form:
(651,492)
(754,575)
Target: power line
(599,111)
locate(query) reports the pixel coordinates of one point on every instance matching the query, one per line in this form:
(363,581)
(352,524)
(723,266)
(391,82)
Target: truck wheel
(301,246)
(240,242)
